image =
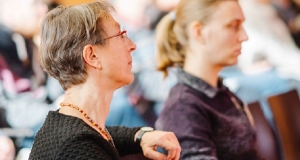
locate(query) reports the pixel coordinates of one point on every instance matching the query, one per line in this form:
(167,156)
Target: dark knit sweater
(64,137)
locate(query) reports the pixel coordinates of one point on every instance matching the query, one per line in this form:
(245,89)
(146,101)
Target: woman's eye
(235,26)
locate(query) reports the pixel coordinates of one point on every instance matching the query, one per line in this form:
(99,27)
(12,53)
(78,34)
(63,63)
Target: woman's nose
(132,45)
(243,36)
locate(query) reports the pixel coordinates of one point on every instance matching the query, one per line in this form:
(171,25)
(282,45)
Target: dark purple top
(209,122)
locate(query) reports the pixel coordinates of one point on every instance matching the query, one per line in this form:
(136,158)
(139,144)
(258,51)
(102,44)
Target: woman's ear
(91,57)
(194,31)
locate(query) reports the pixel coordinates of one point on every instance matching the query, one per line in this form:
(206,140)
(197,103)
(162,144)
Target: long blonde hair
(171,32)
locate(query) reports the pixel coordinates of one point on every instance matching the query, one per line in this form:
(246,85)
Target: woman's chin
(128,80)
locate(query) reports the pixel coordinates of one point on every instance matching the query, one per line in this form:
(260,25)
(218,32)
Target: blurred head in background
(23,16)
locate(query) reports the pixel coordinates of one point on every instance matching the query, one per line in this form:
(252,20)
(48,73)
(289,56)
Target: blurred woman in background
(201,37)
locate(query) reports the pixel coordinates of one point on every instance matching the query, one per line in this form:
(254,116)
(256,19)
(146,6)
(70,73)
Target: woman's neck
(202,69)
(93,101)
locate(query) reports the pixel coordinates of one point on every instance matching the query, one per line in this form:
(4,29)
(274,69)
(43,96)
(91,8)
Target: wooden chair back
(267,142)
(285,108)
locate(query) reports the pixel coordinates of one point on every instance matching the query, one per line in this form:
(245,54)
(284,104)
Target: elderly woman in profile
(87,51)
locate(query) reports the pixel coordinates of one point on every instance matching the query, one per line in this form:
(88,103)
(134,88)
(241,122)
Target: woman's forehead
(110,24)
(228,11)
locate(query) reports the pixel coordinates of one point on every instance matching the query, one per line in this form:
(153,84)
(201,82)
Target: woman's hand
(167,140)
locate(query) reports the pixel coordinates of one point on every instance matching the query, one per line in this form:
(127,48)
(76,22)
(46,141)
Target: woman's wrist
(139,134)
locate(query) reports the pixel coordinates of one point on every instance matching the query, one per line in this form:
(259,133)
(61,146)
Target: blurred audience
(23,93)
(289,11)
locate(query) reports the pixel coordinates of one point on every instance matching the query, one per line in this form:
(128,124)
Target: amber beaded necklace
(103,131)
